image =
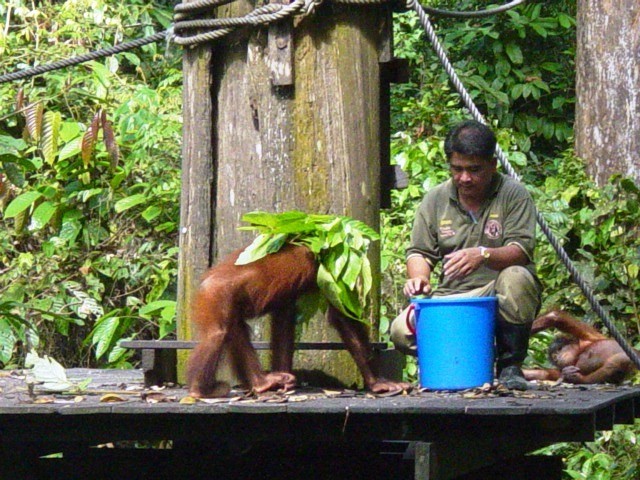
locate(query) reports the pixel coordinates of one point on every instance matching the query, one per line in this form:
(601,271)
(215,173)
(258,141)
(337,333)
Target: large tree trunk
(312,146)
(607,126)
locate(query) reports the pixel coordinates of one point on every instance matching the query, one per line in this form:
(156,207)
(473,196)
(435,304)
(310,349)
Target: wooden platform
(309,433)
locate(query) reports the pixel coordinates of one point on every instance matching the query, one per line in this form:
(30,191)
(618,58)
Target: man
(481,225)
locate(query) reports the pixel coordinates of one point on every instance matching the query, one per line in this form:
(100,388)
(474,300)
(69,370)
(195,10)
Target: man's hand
(417,286)
(461,263)
(419,273)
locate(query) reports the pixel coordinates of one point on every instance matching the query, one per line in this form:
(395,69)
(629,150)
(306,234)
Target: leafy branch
(340,245)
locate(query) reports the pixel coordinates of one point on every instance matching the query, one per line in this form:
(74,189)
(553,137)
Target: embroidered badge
(493,229)
(446,231)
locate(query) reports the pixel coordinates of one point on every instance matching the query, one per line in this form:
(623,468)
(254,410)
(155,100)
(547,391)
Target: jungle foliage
(89,178)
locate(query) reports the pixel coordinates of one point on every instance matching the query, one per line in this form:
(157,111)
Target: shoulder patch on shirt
(493,229)
(446,231)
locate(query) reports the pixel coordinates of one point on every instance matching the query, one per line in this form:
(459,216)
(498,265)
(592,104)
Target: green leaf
(153,307)
(8,341)
(514,53)
(329,288)
(152,211)
(565,20)
(308,304)
(42,215)
(11,146)
(70,230)
(21,203)
(255,251)
(48,371)
(14,173)
(367,277)
(103,334)
(353,270)
(129,202)
(569,193)
(70,149)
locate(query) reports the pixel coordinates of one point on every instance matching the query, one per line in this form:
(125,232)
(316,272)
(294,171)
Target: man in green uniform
(481,225)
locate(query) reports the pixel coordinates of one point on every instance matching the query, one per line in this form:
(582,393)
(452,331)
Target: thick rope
(263,15)
(475,113)
(67,62)
(222,26)
(474,14)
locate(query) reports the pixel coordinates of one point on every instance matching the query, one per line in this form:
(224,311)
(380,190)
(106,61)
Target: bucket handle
(410,325)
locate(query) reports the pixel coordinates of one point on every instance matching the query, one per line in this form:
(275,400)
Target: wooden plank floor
(468,429)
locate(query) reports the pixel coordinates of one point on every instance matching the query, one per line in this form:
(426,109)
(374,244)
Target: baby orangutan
(230,295)
(584,355)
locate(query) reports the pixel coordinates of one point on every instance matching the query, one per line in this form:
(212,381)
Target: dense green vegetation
(90,161)
(88,244)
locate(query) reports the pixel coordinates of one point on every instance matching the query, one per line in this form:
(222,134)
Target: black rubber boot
(512,341)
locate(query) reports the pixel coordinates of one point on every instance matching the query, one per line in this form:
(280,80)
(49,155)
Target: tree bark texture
(197,182)
(607,126)
(312,146)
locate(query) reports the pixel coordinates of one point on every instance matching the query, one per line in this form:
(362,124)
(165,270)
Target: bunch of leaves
(89,178)
(340,245)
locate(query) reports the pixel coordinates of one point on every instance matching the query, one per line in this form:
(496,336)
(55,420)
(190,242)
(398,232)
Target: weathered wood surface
(313,145)
(466,430)
(545,399)
(198,172)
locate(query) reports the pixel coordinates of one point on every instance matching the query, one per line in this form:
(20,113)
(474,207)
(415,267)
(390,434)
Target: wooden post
(198,171)
(312,146)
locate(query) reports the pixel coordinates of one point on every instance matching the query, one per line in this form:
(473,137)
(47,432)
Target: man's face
(471,175)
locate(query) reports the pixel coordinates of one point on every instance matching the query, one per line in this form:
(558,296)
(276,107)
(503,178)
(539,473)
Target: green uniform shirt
(442,226)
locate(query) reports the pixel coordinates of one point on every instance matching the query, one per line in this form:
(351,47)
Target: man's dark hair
(470,138)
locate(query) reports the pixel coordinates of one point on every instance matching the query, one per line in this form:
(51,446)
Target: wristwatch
(484,251)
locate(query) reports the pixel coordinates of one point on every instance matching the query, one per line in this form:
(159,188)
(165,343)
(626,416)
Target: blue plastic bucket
(455,341)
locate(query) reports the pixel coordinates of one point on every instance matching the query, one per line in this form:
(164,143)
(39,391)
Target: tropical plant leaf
(352,270)
(20,100)
(21,203)
(8,341)
(262,246)
(14,173)
(71,148)
(33,116)
(308,304)
(50,136)
(104,334)
(129,202)
(42,215)
(153,307)
(48,371)
(89,139)
(109,140)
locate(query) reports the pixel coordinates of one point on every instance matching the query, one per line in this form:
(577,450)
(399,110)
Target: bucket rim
(436,300)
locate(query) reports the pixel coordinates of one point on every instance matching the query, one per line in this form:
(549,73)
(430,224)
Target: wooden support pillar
(308,142)
(198,172)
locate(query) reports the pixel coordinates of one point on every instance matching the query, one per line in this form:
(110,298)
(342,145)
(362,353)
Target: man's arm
(461,263)
(419,273)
